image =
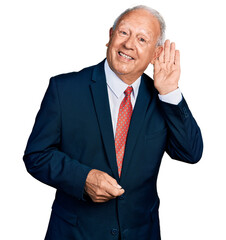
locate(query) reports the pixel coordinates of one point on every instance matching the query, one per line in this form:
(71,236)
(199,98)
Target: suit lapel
(138,116)
(102,107)
(101,102)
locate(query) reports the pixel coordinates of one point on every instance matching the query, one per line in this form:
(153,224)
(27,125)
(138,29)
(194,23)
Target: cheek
(145,54)
(115,42)
(111,50)
(150,53)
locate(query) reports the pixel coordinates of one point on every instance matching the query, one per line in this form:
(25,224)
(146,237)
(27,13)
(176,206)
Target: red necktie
(124,116)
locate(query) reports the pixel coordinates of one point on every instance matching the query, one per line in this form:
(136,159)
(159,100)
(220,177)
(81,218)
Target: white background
(40,39)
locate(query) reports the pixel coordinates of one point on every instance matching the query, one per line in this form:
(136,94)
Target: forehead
(140,19)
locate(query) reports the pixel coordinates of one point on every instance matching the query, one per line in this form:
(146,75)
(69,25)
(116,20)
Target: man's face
(132,45)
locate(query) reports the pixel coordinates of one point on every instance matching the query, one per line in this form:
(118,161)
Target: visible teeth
(124,55)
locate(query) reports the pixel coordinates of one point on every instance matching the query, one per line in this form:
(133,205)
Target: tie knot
(128,91)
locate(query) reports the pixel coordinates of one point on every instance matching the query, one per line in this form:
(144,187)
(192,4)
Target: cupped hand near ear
(167,69)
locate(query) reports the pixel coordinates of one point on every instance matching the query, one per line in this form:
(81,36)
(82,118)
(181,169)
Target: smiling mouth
(125,56)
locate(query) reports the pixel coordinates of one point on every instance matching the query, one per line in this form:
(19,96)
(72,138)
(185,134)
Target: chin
(121,69)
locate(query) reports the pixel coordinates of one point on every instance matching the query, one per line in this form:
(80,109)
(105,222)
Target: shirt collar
(116,84)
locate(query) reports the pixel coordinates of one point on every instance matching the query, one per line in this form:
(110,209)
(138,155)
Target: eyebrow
(141,31)
(146,34)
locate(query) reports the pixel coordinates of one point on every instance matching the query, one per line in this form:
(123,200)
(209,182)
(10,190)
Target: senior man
(100,135)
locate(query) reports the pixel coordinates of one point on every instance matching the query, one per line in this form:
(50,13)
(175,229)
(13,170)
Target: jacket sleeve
(43,158)
(184,139)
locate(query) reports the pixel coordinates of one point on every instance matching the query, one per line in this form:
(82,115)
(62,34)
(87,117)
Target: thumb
(113,182)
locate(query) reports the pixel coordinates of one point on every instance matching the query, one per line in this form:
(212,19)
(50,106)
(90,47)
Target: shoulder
(73,83)
(73,77)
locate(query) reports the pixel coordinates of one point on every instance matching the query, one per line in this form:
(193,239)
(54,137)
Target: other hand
(101,187)
(167,69)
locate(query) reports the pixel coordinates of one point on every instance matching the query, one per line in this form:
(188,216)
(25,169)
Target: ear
(110,35)
(157,53)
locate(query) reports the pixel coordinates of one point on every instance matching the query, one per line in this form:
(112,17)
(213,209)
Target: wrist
(173,97)
(167,91)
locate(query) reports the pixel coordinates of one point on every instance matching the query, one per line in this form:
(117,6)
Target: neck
(129,80)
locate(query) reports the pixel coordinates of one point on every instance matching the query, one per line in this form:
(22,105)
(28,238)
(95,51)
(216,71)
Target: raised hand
(167,69)
(101,187)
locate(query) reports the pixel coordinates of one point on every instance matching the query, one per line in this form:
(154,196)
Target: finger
(104,195)
(161,56)
(117,193)
(101,193)
(112,181)
(101,198)
(167,51)
(113,191)
(110,186)
(156,66)
(177,58)
(172,52)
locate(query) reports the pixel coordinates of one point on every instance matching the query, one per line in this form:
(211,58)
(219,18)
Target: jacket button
(114,231)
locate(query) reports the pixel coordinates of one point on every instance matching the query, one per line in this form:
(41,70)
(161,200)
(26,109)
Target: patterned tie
(124,116)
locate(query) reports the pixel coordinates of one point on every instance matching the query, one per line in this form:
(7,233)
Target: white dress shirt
(116,88)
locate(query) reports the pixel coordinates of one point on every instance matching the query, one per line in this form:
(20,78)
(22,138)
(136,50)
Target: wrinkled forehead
(141,19)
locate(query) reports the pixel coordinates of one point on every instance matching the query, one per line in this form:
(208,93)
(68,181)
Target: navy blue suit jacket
(73,134)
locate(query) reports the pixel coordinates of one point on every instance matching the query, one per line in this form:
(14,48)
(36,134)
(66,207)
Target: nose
(129,43)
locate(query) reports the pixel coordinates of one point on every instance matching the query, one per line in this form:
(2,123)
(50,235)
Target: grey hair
(152,11)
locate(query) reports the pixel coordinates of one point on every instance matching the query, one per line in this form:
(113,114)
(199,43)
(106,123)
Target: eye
(123,33)
(142,39)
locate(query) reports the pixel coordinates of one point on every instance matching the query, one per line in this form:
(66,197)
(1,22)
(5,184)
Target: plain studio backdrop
(40,39)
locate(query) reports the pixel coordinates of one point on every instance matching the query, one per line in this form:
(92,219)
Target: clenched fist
(101,187)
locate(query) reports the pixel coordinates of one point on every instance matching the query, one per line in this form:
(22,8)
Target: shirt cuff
(173,97)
